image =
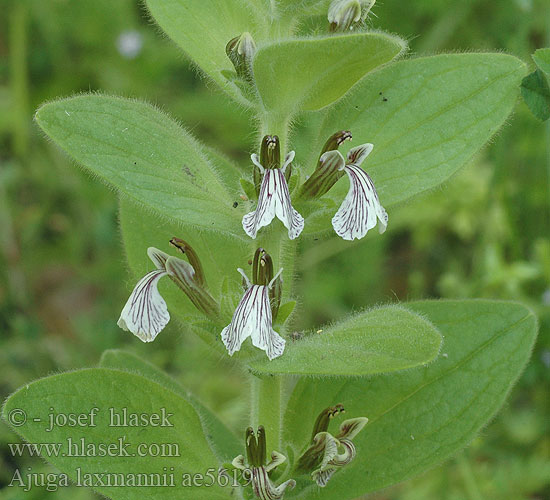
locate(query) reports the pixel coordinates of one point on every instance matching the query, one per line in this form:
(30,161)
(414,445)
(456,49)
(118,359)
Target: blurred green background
(63,279)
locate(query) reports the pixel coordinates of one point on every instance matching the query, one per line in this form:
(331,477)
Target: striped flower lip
(256,471)
(361,207)
(145,313)
(253,318)
(259,477)
(336,451)
(273,200)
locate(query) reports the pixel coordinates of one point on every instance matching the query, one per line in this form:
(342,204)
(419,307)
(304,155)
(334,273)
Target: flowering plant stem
(267,409)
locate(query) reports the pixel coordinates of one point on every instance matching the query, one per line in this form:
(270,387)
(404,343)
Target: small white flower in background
(253,318)
(145,313)
(273,200)
(257,472)
(361,207)
(129,44)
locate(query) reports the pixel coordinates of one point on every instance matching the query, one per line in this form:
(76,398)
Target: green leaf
(222,440)
(145,155)
(380,340)
(419,418)
(542,60)
(426,117)
(311,73)
(285,311)
(303,7)
(180,437)
(536,94)
(203,29)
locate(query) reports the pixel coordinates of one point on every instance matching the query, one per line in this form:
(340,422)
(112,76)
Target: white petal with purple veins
(274,200)
(253,318)
(360,208)
(145,313)
(158,257)
(264,488)
(358,154)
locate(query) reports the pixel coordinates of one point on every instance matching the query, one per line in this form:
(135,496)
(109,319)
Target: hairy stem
(268,401)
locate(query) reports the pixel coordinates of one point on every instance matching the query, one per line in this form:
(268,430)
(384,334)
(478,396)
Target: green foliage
(144,154)
(378,341)
(421,417)
(288,7)
(221,439)
(312,73)
(426,118)
(202,30)
(542,60)
(62,283)
(536,93)
(80,391)
(535,87)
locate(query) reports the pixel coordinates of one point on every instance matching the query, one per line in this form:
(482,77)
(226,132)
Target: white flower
(273,200)
(145,313)
(253,318)
(361,207)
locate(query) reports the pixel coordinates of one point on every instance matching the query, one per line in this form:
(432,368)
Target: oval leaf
(419,418)
(381,340)
(311,73)
(144,154)
(180,436)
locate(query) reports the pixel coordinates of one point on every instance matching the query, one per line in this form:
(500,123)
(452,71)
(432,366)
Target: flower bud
(270,157)
(270,152)
(190,278)
(262,268)
(192,257)
(327,453)
(240,51)
(329,168)
(262,274)
(255,469)
(344,15)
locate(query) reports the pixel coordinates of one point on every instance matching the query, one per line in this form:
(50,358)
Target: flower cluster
(359,211)
(322,458)
(145,313)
